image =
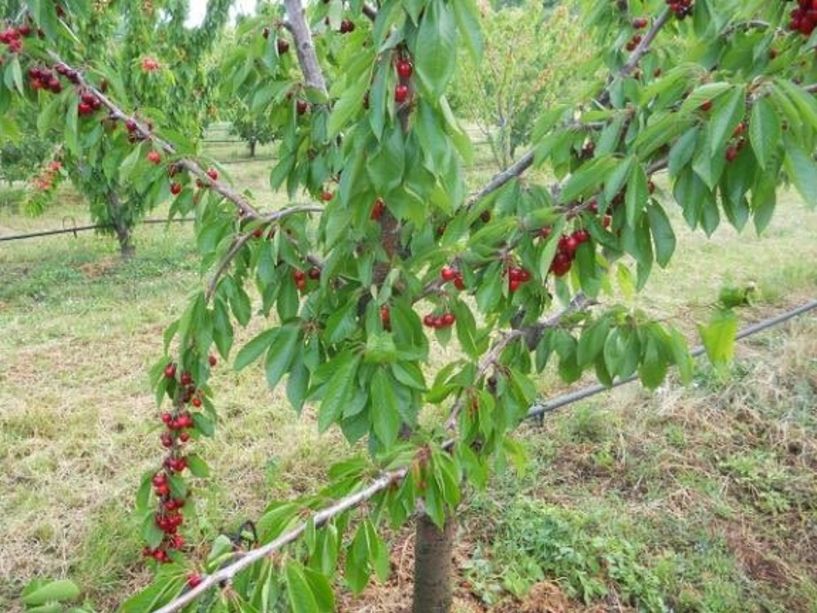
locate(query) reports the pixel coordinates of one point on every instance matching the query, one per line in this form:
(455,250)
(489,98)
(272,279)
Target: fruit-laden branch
(644,46)
(318,519)
(142,131)
(307,58)
(240,240)
(387,479)
(523,163)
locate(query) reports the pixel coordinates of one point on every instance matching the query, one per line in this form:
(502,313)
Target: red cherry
(523,275)
(546,232)
(162,490)
(706,106)
(130,125)
(448,273)
(561,264)
(186,378)
(298,275)
(167,440)
(175,188)
(193,580)
(404,69)
(581,236)
(447,320)
(283,46)
(640,22)
(154,157)
(301,107)
(314,273)
(514,284)
(347,25)
(378,209)
(326,196)
(212,173)
(159,479)
(385,315)
(170,371)
(429,320)
(84,109)
(731,154)
(213,360)
(401,93)
(167,419)
(184,437)
(196,402)
(458,282)
(258,232)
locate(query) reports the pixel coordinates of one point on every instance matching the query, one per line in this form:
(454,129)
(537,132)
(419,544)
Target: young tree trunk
(433,550)
(123,232)
(252,144)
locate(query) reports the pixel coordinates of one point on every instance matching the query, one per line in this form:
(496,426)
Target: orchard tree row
(383,254)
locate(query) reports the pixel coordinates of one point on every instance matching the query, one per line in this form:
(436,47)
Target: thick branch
(308,59)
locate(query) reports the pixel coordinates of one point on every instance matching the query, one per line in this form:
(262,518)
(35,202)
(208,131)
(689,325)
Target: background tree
(515,276)
(533,58)
(250,128)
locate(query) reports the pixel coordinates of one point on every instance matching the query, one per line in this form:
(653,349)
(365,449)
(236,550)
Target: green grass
(698,499)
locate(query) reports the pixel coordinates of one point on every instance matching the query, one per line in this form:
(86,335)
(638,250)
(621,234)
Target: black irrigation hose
(74,229)
(540,408)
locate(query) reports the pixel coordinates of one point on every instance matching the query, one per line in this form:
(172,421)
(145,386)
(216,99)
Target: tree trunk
(252,144)
(433,550)
(123,232)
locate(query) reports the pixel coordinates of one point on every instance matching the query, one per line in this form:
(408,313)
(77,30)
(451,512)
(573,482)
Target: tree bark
(433,550)
(123,232)
(252,144)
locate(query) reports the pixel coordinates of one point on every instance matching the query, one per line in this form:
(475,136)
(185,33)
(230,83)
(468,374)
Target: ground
(695,499)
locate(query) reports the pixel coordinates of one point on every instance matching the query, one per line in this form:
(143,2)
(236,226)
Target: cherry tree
(383,254)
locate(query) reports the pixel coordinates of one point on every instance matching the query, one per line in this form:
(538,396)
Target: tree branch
(307,58)
(241,240)
(143,131)
(319,518)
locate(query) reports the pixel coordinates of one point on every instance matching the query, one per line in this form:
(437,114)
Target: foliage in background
(534,56)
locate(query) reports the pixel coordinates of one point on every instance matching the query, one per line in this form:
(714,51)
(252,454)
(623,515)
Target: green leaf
(321,588)
(587,179)
(301,598)
(802,170)
(637,193)
(281,353)
(681,356)
(203,424)
(55,591)
(467,17)
(764,131)
(727,116)
(338,390)
(197,466)
(253,350)
(349,103)
(662,234)
(618,177)
(435,53)
(719,338)
(385,414)
(591,342)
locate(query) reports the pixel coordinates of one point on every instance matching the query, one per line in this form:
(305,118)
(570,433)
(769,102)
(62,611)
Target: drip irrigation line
(75,229)
(539,409)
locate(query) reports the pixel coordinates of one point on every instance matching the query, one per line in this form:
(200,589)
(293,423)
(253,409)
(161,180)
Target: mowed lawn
(700,499)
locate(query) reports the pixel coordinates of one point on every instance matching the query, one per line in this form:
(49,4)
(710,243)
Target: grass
(696,499)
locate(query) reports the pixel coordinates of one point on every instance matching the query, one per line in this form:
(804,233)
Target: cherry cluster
(88,104)
(681,8)
(516,277)
(41,78)
(449,273)
(177,424)
(45,180)
(566,251)
(299,276)
(633,42)
(444,320)
(404,70)
(212,173)
(804,17)
(13,37)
